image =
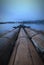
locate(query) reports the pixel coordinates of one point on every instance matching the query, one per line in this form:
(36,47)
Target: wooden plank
(22,33)
(36,58)
(24,53)
(30,32)
(6,46)
(39,41)
(11,34)
(23,56)
(5,32)
(13,55)
(5,50)
(41,36)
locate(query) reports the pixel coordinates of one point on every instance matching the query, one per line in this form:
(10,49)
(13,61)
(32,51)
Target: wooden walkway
(24,52)
(37,39)
(22,47)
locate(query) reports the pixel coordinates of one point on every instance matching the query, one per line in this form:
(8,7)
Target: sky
(22,10)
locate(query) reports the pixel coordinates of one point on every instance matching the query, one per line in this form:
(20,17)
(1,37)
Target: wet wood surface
(24,52)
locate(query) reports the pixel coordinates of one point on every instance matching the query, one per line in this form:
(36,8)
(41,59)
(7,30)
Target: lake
(8,27)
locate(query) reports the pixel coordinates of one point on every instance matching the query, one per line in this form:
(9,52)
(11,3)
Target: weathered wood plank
(22,33)
(39,41)
(7,43)
(25,53)
(23,56)
(30,32)
(37,38)
(13,55)
(36,58)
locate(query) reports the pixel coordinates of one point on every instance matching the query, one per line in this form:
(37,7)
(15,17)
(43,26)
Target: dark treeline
(25,22)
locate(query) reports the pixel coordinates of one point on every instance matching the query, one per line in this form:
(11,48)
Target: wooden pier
(27,48)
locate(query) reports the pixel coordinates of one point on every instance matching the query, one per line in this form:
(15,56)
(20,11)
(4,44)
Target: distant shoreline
(21,22)
(24,22)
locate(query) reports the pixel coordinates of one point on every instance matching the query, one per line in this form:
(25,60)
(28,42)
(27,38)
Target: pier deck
(24,52)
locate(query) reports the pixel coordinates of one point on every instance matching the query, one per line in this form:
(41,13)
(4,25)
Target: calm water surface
(7,27)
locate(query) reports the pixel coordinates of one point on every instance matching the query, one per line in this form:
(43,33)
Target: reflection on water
(7,27)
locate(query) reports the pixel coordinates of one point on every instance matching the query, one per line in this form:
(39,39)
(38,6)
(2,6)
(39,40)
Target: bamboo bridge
(22,46)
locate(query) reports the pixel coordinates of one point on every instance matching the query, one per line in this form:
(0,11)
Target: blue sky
(22,10)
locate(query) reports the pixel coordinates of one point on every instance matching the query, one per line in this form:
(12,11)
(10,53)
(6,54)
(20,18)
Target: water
(8,27)
(36,26)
